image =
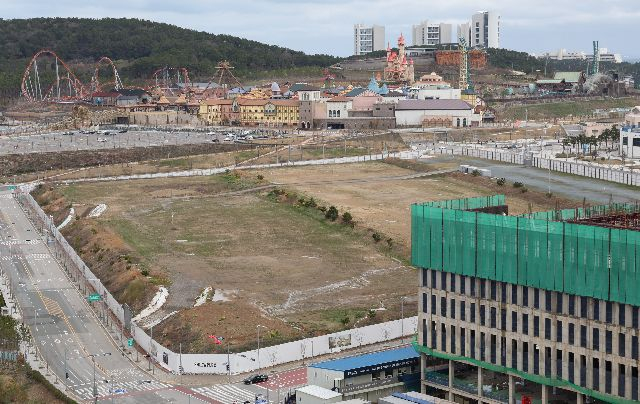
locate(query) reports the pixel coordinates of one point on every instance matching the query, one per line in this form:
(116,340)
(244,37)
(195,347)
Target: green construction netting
(533,251)
(468,203)
(583,213)
(549,381)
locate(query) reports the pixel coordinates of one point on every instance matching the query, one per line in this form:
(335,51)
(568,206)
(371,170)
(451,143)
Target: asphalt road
(566,185)
(61,321)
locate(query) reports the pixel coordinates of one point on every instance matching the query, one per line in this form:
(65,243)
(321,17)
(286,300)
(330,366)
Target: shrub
(345,320)
(523,189)
(145,272)
(390,242)
(310,203)
(518,184)
(376,237)
(347,218)
(549,194)
(475,173)
(322,209)
(371,314)
(332,213)
(501,181)
(260,177)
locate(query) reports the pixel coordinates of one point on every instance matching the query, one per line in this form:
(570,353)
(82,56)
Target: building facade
(435,113)
(630,134)
(464,31)
(431,34)
(219,112)
(368,38)
(485,29)
(269,113)
(549,298)
(368,376)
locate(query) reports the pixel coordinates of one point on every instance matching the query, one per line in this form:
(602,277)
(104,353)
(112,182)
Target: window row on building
(591,371)
(607,312)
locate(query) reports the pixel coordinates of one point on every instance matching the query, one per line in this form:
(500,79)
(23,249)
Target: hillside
(138,47)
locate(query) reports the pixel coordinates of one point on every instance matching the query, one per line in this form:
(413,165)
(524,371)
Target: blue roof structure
(369,360)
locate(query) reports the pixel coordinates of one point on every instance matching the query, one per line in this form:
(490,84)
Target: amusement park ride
(47,78)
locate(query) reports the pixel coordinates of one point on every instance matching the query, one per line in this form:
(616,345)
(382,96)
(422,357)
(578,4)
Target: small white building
(630,135)
(369,376)
(316,395)
(446,113)
(338,107)
(435,93)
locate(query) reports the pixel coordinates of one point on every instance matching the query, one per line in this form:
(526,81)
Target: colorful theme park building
(398,69)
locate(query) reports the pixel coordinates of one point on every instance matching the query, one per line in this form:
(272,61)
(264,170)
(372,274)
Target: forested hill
(139,47)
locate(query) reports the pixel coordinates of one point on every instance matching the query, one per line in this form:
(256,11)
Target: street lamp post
(93,359)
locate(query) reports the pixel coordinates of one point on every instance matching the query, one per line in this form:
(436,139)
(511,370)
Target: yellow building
(269,113)
(218,112)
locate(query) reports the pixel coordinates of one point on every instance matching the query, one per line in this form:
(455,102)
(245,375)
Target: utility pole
(228,362)
(402,319)
(95,390)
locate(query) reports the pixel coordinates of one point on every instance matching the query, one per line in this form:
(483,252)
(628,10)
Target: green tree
(332,213)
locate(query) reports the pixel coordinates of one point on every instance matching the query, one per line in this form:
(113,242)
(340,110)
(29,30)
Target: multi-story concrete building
(269,113)
(431,34)
(464,31)
(485,29)
(543,305)
(368,38)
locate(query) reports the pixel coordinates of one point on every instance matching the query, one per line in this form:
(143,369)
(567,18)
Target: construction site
(543,297)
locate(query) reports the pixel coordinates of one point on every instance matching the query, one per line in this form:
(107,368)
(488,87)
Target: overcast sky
(326,26)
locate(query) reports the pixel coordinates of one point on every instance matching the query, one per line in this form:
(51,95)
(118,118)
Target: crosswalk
(85,390)
(227,393)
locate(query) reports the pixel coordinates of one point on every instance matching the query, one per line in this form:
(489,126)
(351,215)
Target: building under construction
(542,306)
(477,58)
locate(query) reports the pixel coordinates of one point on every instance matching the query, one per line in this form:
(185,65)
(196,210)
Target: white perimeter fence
(301,350)
(597,171)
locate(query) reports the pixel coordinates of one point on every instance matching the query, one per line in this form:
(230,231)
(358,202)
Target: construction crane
(595,67)
(464,81)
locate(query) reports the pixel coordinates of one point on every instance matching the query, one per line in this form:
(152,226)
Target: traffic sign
(94,297)
(130,342)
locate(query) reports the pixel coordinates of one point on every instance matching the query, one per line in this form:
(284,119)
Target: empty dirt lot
(272,258)
(378,195)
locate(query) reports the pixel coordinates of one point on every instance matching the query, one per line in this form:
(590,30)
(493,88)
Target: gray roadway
(61,321)
(566,185)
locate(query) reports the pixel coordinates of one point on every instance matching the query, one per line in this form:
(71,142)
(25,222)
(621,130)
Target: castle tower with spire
(399,70)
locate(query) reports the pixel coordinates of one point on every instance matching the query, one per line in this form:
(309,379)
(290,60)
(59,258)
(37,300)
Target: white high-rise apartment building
(485,29)
(431,34)
(464,31)
(368,38)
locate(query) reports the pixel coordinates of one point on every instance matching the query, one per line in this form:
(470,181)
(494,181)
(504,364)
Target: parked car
(253,379)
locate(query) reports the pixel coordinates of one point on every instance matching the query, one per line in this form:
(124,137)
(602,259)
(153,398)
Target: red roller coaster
(115,83)
(50,85)
(170,79)
(48,78)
